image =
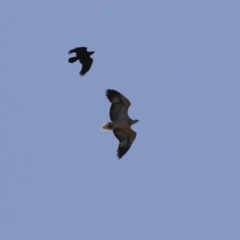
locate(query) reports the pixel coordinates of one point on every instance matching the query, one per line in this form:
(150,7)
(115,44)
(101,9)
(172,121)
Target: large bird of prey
(121,122)
(84,58)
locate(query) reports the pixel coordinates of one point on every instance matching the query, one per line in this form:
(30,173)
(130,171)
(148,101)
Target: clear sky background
(178,62)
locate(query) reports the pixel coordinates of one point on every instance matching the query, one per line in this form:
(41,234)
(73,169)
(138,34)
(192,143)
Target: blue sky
(178,63)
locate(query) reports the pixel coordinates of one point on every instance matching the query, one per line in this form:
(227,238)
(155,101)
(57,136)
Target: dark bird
(121,122)
(84,58)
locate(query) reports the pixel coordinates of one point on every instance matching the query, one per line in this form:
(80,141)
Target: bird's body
(121,122)
(84,58)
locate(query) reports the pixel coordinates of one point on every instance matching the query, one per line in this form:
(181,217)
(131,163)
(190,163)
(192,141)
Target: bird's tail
(72,59)
(107,126)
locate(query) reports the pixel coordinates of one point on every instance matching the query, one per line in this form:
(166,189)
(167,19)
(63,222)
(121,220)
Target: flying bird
(121,122)
(84,58)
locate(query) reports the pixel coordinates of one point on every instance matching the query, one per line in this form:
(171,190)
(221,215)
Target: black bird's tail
(72,59)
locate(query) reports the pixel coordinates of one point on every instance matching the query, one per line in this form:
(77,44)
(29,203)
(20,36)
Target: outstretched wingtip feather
(111,93)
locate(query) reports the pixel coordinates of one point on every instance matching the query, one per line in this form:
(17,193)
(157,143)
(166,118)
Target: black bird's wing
(126,137)
(86,65)
(78,50)
(120,105)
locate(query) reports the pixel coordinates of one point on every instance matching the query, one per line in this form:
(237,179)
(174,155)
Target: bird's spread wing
(126,138)
(120,105)
(78,50)
(86,65)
